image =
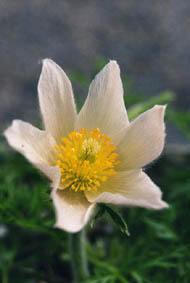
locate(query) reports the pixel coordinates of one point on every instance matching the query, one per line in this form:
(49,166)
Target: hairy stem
(78,258)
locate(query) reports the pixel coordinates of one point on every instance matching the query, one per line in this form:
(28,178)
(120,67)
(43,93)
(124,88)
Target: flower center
(86,159)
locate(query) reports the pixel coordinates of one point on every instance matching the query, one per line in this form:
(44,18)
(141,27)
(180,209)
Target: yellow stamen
(86,159)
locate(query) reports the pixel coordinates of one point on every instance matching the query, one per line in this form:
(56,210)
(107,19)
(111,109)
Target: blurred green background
(151,42)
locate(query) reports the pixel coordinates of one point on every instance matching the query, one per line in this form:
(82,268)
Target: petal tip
(160,109)
(113,64)
(7,130)
(47,63)
(162,204)
(165,204)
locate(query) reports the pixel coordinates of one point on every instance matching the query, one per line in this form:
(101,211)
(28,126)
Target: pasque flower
(94,156)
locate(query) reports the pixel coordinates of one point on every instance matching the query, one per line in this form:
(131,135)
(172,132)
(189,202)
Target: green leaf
(117,219)
(100,212)
(181,120)
(162,98)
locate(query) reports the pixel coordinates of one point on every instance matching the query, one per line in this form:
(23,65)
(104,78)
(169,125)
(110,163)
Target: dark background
(149,39)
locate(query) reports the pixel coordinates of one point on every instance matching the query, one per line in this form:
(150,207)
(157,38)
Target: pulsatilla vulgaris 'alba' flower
(96,155)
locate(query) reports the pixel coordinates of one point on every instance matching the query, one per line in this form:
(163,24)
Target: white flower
(96,155)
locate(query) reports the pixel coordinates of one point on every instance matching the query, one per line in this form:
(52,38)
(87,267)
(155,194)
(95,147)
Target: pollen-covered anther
(86,159)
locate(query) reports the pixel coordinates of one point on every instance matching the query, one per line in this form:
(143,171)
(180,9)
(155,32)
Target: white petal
(131,188)
(56,100)
(144,139)
(52,172)
(72,210)
(104,107)
(34,144)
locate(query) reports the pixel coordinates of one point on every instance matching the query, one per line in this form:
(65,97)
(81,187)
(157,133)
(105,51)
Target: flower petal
(144,139)
(72,210)
(132,188)
(104,107)
(34,144)
(52,172)
(56,100)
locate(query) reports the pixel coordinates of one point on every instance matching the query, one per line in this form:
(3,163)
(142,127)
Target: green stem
(4,276)
(78,258)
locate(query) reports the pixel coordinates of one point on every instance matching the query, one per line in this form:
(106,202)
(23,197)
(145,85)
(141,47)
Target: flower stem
(4,276)
(78,258)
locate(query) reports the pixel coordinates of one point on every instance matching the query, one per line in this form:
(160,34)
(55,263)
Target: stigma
(86,159)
